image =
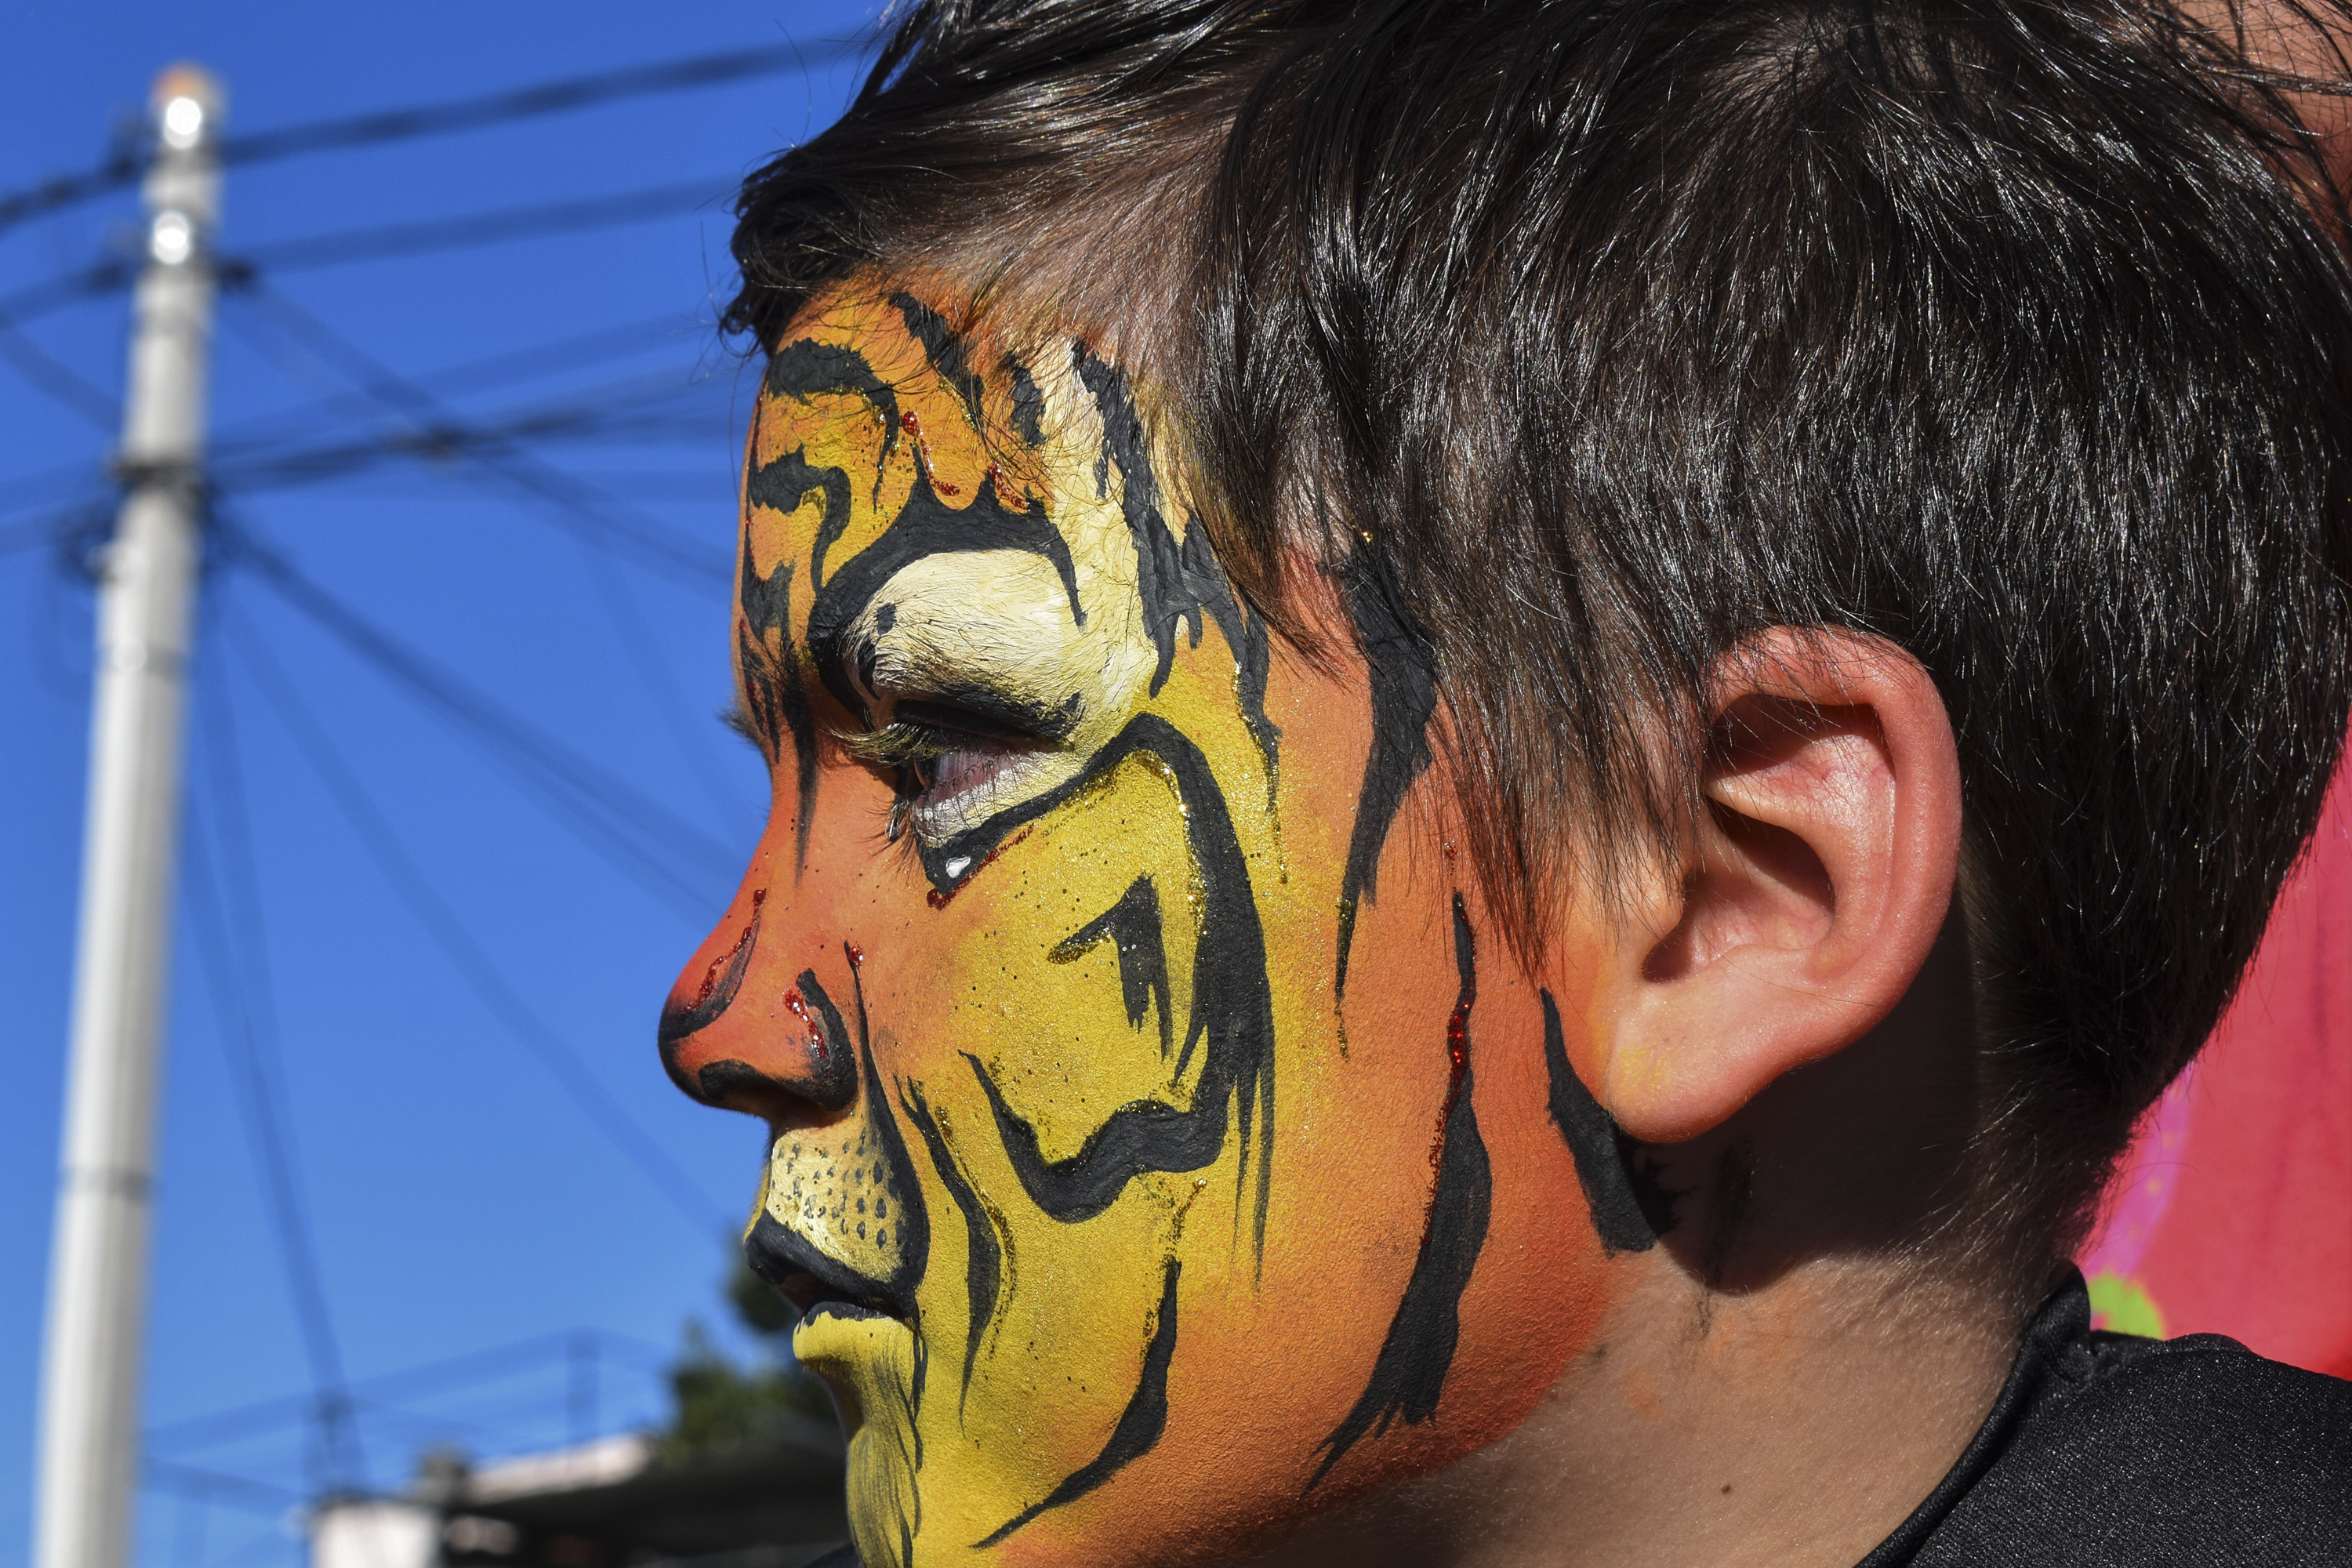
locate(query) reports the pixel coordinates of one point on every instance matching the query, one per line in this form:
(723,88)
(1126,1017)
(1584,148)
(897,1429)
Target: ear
(1814,882)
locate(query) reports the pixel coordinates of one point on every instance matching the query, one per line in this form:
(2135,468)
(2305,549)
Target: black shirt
(2110,1451)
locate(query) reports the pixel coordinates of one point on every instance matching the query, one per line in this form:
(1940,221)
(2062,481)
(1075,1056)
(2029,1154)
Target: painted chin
(874,1365)
(856,1349)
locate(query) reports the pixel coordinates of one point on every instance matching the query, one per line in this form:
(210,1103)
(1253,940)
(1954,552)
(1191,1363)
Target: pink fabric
(2232,1212)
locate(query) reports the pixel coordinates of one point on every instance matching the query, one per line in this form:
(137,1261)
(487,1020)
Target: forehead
(878,415)
(886,436)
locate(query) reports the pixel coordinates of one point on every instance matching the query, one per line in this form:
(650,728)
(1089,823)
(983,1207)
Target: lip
(814,1282)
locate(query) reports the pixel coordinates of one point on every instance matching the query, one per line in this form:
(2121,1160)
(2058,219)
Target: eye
(964,763)
(922,734)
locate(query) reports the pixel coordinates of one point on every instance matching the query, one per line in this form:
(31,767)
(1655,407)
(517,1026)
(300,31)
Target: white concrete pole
(98,1268)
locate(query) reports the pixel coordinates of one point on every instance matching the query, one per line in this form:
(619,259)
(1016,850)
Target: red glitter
(1457,1054)
(914,427)
(857,954)
(719,964)
(938,900)
(798,1005)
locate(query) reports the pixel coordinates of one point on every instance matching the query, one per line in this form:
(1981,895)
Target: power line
(559,97)
(547,484)
(640,407)
(466,230)
(501,1363)
(637,834)
(60,383)
(534,361)
(124,166)
(509,367)
(441,923)
(382,242)
(229,907)
(260,1497)
(569,500)
(37,299)
(275,1536)
(259,433)
(60,526)
(691,739)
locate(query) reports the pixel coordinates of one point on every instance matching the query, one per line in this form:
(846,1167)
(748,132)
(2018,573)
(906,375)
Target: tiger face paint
(1160,1148)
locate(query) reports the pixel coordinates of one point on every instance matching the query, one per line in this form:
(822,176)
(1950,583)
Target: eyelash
(735,717)
(907,745)
(911,744)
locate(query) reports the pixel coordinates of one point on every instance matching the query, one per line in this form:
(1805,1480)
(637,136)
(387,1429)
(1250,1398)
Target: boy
(1507,738)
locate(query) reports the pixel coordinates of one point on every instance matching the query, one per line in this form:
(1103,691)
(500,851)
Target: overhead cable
(66,385)
(637,834)
(489,980)
(232,942)
(543,482)
(569,500)
(501,1362)
(70,528)
(124,166)
(95,281)
(382,241)
(636,407)
(506,368)
(219,1485)
(691,733)
(509,367)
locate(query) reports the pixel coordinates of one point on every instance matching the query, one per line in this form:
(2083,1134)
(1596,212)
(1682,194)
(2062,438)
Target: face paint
(1113,1241)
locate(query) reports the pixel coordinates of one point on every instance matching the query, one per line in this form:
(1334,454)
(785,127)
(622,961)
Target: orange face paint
(1111,1235)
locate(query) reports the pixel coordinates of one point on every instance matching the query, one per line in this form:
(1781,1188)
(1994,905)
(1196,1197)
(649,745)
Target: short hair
(1604,334)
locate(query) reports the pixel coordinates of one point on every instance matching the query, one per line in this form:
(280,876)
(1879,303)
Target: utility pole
(98,1268)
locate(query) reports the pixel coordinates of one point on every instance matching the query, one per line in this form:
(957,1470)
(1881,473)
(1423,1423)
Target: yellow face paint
(1109,1238)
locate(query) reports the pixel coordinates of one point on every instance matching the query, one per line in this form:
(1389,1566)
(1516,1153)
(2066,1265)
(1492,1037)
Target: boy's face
(1118,1233)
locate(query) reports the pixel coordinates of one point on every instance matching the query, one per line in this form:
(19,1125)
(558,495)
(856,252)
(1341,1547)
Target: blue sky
(462,1193)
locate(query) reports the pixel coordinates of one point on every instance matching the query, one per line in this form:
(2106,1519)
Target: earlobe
(1814,882)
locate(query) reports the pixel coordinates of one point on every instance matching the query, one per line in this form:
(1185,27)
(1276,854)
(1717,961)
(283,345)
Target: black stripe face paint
(1404,682)
(1630,1208)
(1113,1246)
(1410,1374)
(1139,1426)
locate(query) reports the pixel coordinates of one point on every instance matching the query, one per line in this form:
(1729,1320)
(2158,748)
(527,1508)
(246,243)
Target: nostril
(735,1086)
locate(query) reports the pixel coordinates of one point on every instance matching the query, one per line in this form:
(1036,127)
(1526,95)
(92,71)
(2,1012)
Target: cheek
(1412,1303)
(1428,1275)
(1017,1021)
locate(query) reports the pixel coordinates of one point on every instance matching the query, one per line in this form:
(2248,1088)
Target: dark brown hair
(1599,335)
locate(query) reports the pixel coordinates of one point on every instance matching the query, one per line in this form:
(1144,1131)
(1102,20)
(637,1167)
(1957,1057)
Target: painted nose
(742,1032)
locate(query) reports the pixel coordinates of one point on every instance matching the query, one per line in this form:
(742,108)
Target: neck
(1783,1380)
(1793,1426)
